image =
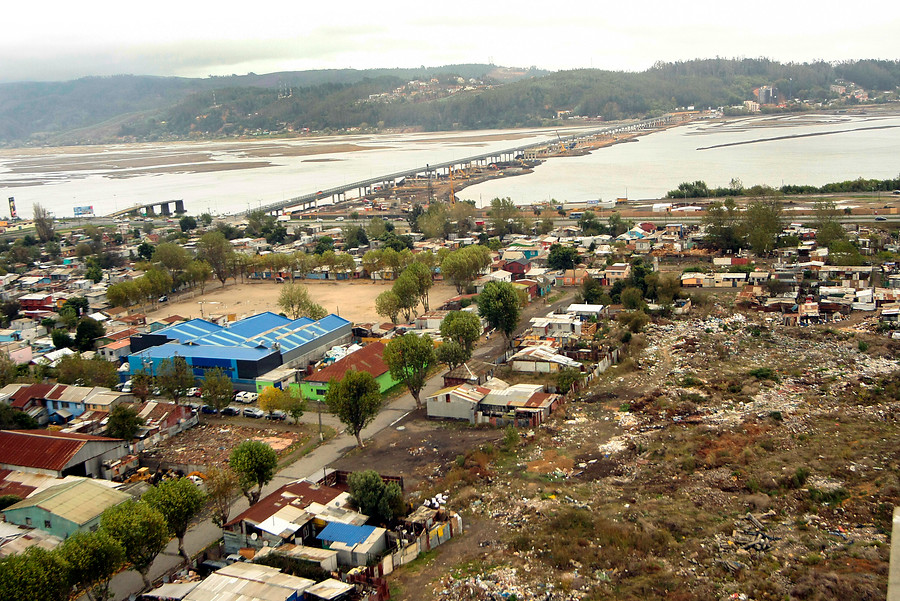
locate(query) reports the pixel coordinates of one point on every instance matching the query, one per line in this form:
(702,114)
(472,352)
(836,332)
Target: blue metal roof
(253,325)
(189,330)
(240,353)
(345,533)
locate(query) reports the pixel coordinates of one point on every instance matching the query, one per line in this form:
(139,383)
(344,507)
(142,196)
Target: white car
(339,219)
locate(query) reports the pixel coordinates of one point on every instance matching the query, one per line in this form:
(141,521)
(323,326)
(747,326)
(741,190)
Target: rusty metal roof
(42,449)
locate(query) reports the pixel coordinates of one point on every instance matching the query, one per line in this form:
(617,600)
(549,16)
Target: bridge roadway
(363,187)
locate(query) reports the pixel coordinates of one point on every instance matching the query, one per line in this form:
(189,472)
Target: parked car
(229,410)
(163,299)
(278,414)
(126,387)
(193,392)
(880,218)
(253,412)
(208,410)
(245,397)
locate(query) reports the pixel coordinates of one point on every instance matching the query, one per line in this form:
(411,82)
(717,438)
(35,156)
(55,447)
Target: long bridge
(367,186)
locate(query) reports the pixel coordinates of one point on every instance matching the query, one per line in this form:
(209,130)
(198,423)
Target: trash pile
(499,584)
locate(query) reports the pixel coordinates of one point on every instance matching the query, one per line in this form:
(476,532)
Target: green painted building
(66,508)
(368,359)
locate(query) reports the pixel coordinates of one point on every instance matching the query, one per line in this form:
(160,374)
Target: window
(28,521)
(321,391)
(47,524)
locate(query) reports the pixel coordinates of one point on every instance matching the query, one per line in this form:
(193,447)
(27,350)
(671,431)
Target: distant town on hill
(132,108)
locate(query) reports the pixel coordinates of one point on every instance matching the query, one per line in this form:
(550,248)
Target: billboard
(12,208)
(84,211)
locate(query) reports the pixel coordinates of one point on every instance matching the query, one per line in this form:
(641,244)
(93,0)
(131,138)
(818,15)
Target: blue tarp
(345,533)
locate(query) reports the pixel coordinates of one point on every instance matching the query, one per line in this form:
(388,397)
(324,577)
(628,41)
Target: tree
(451,354)
(499,304)
(354,237)
(387,304)
(294,300)
(8,369)
(217,251)
(87,332)
(406,288)
(141,530)
(222,487)
(174,377)
(175,258)
(505,217)
(75,369)
(421,275)
(206,218)
(828,228)
(355,400)
(43,223)
(92,558)
(562,257)
(197,273)
(187,223)
(217,388)
(145,250)
(463,327)
(632,298)
(123,423)
(566,378)
(254,463)
(61,339)
(463,265)
(722,225)
(179,501)
(763,223)
(141,384)
(323,244)
(35,574)
(374,497)
(409,357)
(591,291)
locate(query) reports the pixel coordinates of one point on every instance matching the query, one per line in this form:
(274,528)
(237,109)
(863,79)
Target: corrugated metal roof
(79,501)
(368,359)
(42,449)
(345,533)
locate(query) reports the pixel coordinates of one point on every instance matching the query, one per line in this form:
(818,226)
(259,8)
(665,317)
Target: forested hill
(135,108)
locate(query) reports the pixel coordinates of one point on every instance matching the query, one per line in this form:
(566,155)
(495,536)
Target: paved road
(128,584)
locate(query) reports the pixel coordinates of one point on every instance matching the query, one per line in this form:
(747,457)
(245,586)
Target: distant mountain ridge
(128,108)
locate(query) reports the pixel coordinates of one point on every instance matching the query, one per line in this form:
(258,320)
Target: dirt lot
(353,300)
(421,452)
(727,457)
(210,443)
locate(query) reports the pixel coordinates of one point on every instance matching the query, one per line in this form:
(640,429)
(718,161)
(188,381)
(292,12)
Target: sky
(54,40)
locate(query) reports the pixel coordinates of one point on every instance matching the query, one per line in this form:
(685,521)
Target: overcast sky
(43,41)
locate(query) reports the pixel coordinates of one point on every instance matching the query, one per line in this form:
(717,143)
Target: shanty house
(58,454)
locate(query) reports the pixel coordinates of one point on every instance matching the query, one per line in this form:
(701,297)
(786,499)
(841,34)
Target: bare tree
(43,223)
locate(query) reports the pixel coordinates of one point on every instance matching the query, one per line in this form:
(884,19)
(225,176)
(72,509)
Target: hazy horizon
(62,41)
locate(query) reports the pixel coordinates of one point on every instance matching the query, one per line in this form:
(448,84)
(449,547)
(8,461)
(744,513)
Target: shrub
(764,373)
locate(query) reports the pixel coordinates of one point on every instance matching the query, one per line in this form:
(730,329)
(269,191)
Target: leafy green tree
(295,301)
(75,369)
(141,384)
(591,291)
(562,257)
(94,273)
(722,223)
(355,400)
(205,218)
(35,574)
(87,331)
(145,250)
(763,223)
(8,369)
(506,218)
(354,237)
(463,265)
(217,252)
(590,225)
(409,357)
(93,558)
(79,303)
(632,298)
(174,377)
(406,288)
(374,497)
(179,501)
(61,339)
(141,530)
(828,228)
(463,327)
(323,245)
(387,304)
(174,258)
(422,276)
(499,305)
(123,423)
(451,354)
(217,388)
(566,378)
(222,487)
(187,223)
(254,463)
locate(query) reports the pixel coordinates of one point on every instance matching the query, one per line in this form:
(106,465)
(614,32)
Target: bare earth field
(353,300)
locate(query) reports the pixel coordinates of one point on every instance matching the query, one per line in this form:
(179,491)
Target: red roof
(299,494)
(26,394)
(122,334)
(42,449)
(368,359)
(11,487)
